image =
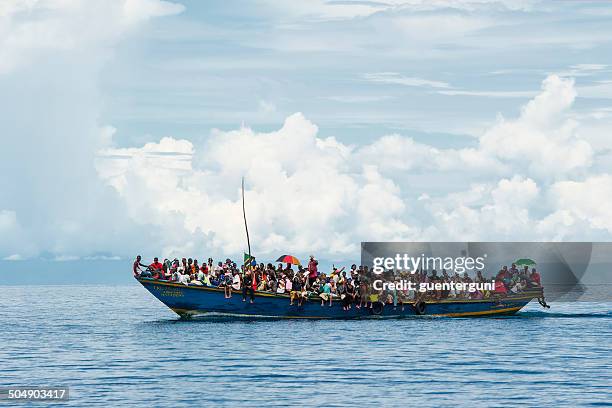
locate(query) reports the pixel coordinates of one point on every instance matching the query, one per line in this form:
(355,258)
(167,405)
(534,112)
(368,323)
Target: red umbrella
(290,259)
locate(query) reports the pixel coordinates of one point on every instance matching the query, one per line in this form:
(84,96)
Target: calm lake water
(117,345)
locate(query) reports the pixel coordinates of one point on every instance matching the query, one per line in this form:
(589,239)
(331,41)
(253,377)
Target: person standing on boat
(312,270)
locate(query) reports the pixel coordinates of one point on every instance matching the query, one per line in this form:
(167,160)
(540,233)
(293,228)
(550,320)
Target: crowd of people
(351,287)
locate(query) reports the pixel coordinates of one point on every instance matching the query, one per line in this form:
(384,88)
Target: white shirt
(184,279)
(236,282)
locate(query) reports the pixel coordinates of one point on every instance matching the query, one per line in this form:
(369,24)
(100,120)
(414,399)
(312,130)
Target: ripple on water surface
(118,345)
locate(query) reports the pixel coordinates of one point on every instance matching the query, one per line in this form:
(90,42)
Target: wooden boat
(192,300)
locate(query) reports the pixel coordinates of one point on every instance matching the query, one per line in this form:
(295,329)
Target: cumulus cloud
(303,194)
(307,194)
(543,137)
(69,190)
(587,200)
(485,211)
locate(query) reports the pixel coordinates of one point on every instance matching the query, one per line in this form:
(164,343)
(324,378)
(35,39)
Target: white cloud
(302,195)
(39,28)
(311,194)
(485,211)
(13,257)
(396,78)
(587,200)
(343,10)
(305,193)
(16,241)
(543,138)
(488,94)
(583,70)
(357,98)
(51,55)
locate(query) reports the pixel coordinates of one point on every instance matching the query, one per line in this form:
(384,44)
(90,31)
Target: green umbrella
(524,262)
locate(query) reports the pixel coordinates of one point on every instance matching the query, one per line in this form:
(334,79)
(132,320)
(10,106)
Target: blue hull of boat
(189,301)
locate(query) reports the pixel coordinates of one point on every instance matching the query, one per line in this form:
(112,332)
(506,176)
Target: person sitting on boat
(518,287)
(280,288)
(534,278)
(166,269)
(156,268)
(236,284)
(205,280)
(296,291)
(500,288)
(189,267)
(350,294)
(271,282)
(513,269)
(524,273)
(247,286)
(225,280)
(336,273)
(209,265)
(218,269)
(352,271)
(204,269)
(195,268)
(182,276)
(195,281)
(341,289)
(505,276)
(325,292)
(200,275)
(288,283)
(262,281)
(137,267)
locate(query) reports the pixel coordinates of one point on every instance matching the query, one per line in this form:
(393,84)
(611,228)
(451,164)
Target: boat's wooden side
(201,300)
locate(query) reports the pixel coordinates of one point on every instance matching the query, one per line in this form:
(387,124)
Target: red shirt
(157,266)
(500,287)
(312,268)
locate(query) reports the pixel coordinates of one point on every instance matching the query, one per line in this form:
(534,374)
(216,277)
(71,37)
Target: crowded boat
(350,286)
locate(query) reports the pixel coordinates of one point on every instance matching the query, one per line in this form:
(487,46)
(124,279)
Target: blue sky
(127,125)
(436,71)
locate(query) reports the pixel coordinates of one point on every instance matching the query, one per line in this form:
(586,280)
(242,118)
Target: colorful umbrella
(524,262)
(289,259)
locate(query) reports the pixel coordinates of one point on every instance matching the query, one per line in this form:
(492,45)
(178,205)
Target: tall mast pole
(245,222)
